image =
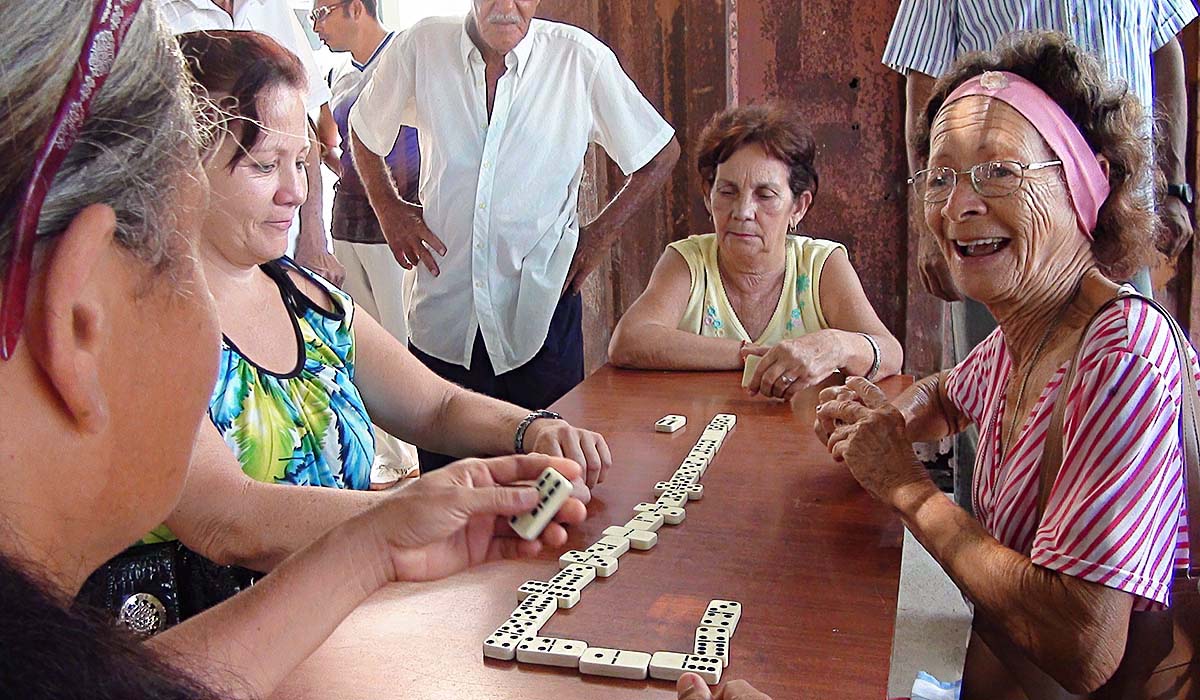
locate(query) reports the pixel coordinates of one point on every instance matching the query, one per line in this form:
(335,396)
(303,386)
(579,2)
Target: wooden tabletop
(781,528)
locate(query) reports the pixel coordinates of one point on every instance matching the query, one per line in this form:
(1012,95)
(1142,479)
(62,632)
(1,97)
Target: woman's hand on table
(794,364)
(457,517)
(693,687)
(863,430)
(559,438)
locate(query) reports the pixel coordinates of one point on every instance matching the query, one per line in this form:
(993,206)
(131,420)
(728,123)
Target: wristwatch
(519,439)
(1183,191)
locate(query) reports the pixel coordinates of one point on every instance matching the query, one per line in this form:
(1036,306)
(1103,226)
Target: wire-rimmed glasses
(995,178)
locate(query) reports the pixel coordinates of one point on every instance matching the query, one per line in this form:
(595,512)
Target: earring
(792,226)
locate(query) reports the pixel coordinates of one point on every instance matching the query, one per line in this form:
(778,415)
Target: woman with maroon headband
(109,342)
(1035,190)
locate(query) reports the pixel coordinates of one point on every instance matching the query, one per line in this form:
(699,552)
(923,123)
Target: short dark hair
(239,66)
(1110,118)
(371,6)
(775,126)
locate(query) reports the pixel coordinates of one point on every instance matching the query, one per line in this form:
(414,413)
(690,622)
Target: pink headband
(1086,181)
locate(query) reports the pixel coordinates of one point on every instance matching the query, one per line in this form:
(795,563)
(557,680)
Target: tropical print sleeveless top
(710,313)
(307,427)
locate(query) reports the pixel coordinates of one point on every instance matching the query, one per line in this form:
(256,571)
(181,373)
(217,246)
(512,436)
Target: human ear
(800,207)
(1104,165)
(74,318)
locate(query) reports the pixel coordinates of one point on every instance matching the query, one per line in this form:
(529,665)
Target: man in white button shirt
(506,107)
(276,19)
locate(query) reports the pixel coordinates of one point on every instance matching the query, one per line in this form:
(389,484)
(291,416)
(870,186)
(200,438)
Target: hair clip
(110,22)
(993,80)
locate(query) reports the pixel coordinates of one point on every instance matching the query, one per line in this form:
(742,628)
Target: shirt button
(478,245)
(479,285)
(482,206)
(487,164)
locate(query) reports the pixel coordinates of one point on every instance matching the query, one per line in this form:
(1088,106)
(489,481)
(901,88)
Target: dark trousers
(553,371)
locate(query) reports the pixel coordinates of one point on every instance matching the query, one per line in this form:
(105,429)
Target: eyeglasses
(320,13)
(996,178)
(111,20)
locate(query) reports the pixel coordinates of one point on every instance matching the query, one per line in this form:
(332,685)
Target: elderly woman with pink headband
(1035,189)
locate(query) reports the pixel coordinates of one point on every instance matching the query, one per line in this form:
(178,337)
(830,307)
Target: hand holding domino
(554,490)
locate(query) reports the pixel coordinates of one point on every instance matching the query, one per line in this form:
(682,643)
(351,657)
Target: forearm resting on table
(1073,630)
(858,354)
(649,345)
(266,523)
(247,645)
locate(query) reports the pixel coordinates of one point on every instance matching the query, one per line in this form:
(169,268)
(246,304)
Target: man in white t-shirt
(276,19)
(506,107)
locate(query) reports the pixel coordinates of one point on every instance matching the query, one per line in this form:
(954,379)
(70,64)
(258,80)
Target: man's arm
(402,223)
(597,236)
(1170,113)
(311,250)
(935,275)
(327,136)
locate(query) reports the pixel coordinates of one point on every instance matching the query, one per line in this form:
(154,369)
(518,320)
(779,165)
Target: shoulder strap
(1051,461)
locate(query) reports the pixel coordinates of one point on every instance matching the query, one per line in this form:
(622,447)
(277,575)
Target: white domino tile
(550,651)
(522,626)
(531,587)
(671,514)
(604,565)
(670,423)
(638,539)
(553,490)
(695,492)
(674,498)
(615,663)
(716,649)
(729,610)
(502,646)
(723,421)
(610,545)
(751,364)
(646,521)
(717,436)
(670,665)
(536,608)
(713,618)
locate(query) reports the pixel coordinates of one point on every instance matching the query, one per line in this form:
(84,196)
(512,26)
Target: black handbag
(150,587)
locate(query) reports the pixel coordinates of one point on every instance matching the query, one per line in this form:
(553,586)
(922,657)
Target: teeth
(983,246)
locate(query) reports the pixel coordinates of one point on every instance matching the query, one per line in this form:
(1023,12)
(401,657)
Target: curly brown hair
(1110,118)
(775,126)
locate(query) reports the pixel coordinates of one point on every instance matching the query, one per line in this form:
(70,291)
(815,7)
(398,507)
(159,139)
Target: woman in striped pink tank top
(1035,190)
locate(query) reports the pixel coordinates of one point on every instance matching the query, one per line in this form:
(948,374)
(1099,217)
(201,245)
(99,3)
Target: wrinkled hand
(321,262)
(559,438)
(793,365)
(692,687)
(411,241)
(934,271)
(868,435)
(1177,227)
(457,516)
(825,424)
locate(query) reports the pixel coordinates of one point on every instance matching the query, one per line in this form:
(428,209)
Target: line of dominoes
(518,636)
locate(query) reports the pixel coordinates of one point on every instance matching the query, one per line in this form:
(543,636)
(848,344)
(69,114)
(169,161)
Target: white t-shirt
(502,195)
(271,17)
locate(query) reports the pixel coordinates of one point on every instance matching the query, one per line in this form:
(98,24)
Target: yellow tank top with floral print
(798,312)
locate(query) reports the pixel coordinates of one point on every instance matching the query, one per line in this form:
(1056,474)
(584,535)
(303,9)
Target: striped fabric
(928,35)
(1115,516)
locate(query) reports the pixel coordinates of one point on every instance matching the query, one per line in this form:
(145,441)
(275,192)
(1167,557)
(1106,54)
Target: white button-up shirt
(503,195)
(274,18)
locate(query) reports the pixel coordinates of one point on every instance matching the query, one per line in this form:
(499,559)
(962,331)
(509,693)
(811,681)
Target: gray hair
(134,147)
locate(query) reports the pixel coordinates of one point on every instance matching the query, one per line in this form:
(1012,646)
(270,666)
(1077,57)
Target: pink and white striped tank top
(1115,515)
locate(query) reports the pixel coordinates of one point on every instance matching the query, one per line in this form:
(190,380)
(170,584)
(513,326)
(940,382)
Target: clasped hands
(862,430)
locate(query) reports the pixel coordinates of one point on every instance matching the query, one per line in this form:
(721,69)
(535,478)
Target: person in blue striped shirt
(1135,40)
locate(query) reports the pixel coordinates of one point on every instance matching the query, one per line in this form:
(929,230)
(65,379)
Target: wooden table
(781,528)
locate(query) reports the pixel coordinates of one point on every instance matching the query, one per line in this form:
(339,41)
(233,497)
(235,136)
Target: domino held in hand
(553,491)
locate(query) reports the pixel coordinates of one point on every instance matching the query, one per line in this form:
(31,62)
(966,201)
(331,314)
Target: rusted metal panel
(825,57)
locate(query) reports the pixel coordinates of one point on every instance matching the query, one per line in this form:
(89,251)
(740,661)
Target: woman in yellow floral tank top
(754,287)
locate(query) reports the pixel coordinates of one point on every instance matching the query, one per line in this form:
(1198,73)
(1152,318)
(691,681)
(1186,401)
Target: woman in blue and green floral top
(303,373)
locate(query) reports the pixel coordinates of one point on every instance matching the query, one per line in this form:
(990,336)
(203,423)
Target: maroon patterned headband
(110,22)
